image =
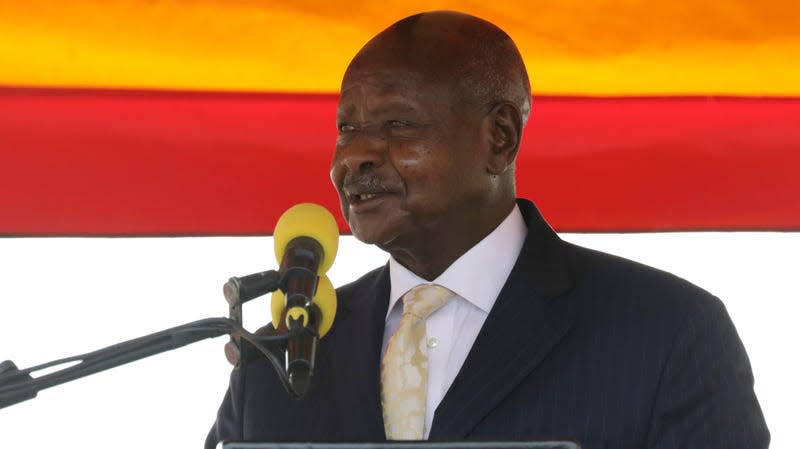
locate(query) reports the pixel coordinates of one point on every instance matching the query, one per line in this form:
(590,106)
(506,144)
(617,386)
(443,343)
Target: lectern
(411,445)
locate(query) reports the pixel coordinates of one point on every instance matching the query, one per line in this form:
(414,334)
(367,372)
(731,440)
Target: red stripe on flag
(664,164)
(96,162)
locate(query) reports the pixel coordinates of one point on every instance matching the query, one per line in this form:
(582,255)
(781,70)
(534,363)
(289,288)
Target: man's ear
(505,134)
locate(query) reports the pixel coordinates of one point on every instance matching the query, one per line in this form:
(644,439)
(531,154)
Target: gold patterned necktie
(404,370)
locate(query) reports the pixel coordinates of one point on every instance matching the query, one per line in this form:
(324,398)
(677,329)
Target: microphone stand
(18,385)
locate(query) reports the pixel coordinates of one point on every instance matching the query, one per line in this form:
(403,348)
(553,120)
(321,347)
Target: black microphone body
(299,283)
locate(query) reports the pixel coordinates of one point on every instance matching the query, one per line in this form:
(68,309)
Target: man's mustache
(364,183)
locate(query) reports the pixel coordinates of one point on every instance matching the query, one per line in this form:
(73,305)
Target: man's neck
(479,274)
(429,259)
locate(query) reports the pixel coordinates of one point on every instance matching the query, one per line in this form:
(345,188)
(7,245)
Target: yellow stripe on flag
(594,47)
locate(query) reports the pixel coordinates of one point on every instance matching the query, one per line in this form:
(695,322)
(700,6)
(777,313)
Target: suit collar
(520,331)
(542,258)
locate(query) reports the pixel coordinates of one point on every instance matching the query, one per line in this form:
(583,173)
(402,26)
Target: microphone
(306,240)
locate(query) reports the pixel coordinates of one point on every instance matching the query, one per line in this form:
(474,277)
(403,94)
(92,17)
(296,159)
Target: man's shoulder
(606,279)
(614,280)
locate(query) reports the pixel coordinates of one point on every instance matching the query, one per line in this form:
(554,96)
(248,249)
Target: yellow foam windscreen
(325,299)
(308,220)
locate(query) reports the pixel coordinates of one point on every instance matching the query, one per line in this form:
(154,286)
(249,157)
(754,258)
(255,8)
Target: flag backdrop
(206,118)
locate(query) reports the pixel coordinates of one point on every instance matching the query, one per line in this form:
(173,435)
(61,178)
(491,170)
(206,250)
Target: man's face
(409,164)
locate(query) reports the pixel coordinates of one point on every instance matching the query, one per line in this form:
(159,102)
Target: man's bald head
(474,57)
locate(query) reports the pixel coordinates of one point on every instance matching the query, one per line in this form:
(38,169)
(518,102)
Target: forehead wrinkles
(376,92)
(430,74)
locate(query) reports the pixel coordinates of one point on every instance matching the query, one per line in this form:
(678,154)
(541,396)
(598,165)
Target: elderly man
(484,324)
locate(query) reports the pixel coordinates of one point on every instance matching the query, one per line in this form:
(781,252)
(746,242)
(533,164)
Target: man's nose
(364,152)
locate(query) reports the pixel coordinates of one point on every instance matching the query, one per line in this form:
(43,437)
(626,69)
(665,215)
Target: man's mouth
(362,196)
(363,189)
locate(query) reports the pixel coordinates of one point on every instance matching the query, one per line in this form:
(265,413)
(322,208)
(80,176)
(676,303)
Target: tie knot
(424,299)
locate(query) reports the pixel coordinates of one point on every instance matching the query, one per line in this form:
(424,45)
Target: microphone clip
(301,314)
(239,290)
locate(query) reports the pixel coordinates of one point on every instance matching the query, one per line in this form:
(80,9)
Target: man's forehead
(378,97)
(384,80)
(397,89)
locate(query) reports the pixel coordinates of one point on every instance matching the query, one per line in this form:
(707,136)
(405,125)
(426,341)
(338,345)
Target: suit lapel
(352,361)
(518,333)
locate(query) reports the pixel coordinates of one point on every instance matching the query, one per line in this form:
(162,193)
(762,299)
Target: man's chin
(383,230)
(379,237)
(370,238)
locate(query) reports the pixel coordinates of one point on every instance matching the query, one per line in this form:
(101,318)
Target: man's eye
(344,127)
(397,124)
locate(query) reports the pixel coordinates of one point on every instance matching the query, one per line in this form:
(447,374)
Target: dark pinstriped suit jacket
(579,345)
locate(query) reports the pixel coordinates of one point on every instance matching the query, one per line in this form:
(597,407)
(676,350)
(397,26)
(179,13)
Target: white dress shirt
(476,277)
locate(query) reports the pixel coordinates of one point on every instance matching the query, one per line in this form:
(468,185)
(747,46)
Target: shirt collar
(479,274)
